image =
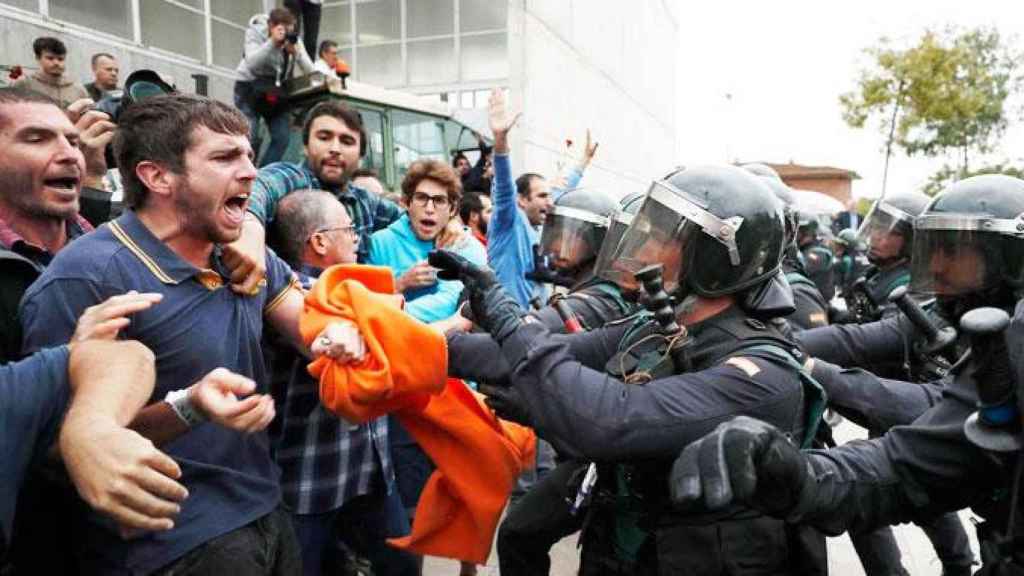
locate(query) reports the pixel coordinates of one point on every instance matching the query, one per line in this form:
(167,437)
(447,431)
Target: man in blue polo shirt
(186,164)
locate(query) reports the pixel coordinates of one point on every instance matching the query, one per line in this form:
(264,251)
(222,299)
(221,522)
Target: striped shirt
(368,211)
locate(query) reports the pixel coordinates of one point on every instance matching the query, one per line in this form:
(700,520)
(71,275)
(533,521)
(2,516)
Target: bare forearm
(112,379)
(159,423)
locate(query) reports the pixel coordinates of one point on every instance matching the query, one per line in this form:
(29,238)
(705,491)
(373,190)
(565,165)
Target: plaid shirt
(369,212)
(325,461)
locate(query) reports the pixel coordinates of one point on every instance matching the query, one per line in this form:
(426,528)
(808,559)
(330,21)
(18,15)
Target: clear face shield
(958,255)
(617,226)
(571,237)
(885,231)
(662,232)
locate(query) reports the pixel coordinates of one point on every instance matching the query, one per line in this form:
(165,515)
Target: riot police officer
(632,394)
(571,243)
(850,262)
(811,307)
(969,251)
(816,256)
(888,233)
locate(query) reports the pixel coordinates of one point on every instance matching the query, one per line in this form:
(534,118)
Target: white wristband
(181,402)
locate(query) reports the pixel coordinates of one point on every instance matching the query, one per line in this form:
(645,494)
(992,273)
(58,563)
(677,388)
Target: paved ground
(918,554)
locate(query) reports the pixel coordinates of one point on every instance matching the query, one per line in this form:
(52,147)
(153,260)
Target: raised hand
(501,120)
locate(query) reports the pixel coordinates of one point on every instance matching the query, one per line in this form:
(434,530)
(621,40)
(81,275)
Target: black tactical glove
(493,309)
(507,403)
(745,461)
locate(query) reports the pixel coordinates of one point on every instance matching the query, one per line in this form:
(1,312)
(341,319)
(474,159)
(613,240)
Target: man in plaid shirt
(335,140)
(336,478)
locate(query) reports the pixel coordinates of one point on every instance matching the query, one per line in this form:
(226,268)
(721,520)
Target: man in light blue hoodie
(430,192)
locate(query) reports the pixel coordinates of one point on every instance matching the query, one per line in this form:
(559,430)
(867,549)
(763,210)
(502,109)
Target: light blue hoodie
(398,247)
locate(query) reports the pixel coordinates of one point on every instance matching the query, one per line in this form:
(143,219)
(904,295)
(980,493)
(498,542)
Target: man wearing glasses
(431,192)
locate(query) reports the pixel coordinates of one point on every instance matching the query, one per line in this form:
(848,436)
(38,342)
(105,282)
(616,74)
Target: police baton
(936,338)
(996,424)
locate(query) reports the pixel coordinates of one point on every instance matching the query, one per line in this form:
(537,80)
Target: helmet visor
(617,226)
(958,255)
(886,231)
(661,233)
(571,236)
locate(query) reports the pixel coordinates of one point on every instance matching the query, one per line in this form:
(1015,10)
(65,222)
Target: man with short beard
(41,168)
(50,78)
(187,167)
(334,142)
(475,212)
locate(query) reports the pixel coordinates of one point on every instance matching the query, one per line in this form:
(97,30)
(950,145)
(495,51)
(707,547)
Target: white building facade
(568,65)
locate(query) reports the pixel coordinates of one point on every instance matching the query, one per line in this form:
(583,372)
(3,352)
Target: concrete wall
(17,34)
(604,64)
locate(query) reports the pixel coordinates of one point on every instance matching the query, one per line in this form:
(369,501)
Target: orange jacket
(478,457)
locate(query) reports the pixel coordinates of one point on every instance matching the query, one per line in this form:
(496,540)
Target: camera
(292,37)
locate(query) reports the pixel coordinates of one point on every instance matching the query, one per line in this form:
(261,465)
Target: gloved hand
(493,309)
(507,403)
(743,460)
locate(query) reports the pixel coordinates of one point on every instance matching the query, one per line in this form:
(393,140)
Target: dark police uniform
(811,308)
(847,358)
(817,259)
(631,430)
(542,517)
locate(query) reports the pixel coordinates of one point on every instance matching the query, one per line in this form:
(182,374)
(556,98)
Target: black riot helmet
(969,245)
(617,225)
(716,230)
(891,219)
(575,228)
(785,196)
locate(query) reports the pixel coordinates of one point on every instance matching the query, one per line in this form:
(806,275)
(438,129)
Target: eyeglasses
(349,230)
(421,200)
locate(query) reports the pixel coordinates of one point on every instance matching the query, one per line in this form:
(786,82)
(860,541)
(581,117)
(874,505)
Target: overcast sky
(761,80)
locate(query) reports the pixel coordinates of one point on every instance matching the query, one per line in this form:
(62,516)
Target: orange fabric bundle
(478,456)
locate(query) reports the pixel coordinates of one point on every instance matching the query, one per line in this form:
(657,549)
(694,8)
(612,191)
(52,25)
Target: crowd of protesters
(202,406)
(170,391)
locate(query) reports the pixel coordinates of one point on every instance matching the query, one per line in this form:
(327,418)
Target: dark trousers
(537,521)
(878,552)
(362,524)
(277,125)
(308,15)
(265,546)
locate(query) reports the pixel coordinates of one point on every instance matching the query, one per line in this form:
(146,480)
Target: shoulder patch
(745,365)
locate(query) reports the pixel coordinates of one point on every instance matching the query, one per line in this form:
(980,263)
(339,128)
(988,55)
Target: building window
(380,65)
(378,21)
(432,62)
(479,15)
(484,57)
(174,28)
(110,16)
(236,11)
(336,23)
(430,18)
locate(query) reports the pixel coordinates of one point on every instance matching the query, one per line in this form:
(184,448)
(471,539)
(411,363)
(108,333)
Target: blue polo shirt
(200,325)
